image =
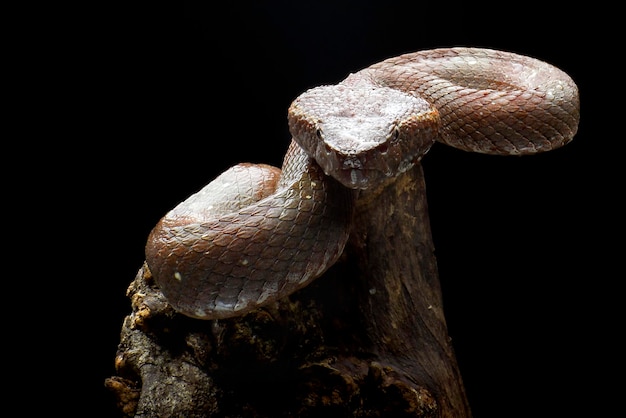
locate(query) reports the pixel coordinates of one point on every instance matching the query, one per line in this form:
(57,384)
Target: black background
(523,244)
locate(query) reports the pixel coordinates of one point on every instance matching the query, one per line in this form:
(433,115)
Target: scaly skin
(255,235)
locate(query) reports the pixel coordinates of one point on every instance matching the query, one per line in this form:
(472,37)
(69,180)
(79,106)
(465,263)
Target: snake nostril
(319,134)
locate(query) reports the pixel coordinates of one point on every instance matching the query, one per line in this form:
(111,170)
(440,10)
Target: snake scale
(258,233)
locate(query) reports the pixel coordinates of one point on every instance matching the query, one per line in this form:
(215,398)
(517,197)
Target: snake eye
(395,134)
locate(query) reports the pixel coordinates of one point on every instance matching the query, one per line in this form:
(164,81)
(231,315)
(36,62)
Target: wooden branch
(367,339)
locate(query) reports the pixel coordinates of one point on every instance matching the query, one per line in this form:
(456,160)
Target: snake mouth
(357,178)
(368,178)
(365,172)
(352,171)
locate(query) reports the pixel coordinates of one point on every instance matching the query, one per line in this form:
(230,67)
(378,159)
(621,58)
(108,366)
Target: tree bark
(366,339)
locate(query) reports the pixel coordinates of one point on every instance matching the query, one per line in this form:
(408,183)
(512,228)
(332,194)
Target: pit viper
(258,233)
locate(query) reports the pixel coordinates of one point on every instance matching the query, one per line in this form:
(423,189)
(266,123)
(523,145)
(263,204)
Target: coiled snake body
(257,233)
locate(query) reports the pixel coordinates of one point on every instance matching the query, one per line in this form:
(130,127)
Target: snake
(257,233)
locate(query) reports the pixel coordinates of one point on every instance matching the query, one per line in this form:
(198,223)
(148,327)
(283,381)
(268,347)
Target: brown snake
(257,233)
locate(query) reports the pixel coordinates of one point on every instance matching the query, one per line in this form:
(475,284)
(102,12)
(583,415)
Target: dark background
(521,243)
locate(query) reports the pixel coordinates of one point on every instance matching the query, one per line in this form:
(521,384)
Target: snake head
(361,133)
